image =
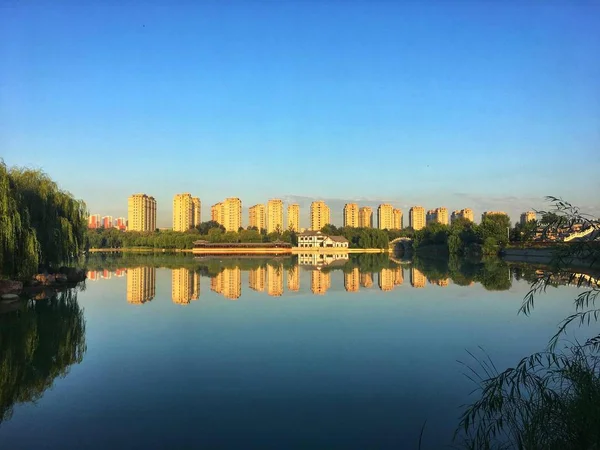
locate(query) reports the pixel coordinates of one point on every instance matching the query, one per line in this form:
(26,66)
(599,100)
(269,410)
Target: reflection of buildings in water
(366,279)
(256,279)
(106,274)
(275,280)
(92,275)
(398,276)
(141,284)
(352,280)
(228,283)
(322,259)
(185,286)
(293,279)
(120,273)
(442,282)
(386,279)
(319,282)
(417,279)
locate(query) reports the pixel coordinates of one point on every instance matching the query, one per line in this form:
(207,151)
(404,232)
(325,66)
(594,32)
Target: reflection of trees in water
(492,273)
(38,344)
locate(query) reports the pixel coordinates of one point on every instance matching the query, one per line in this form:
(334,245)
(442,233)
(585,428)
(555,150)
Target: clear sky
(489,105)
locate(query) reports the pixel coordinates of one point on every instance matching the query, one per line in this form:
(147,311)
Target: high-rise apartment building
(256,217)
(365,217)
(439,215)
(528,216)
(397,219)
(232,214)
(107,222)
(350,215)
(197,211)
(352,280)
(293,279)
(94,221)
(217,213)
(430,216)
(416,217)
(417,279)
(256,279)
(182,286)
(319,215)
(141,284)
(228,283)
(398,276)
(466,213)
(141,212)
(319,282)
(386,279)
(385,216)
(121,223)
(293,214)
(186,212)
(366,279)
(275,280)
(274,215)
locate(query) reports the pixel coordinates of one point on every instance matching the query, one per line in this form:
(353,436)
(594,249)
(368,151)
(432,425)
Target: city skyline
(279,215)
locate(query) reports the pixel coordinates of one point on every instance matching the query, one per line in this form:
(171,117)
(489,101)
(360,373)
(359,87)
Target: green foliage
(550,399)
(38,344)
(204,227)
(524,232)
(39,222)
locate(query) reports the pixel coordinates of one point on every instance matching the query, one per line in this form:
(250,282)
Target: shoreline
(225,250)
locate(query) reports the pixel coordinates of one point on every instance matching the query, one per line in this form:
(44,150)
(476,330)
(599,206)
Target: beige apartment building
(366,279)
(216,213)
(417,279)
(186,212)
(256,279)
(293,214)
(320,282)
(141,284)
(293,279)
(398,276)
(350,215)
(528,216)
(385,216)
(228,283)
(319,215)
(232,214)
(197,211)
(416,217)
(466,213)
(141,213)
(256,217)
(352,280)
(185,286)
(386,279)
(365,217)
(275,280)
(397,219)
(439,215)
(274,215)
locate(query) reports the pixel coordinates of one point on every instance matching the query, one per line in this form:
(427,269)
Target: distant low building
(528,216)
(317,239)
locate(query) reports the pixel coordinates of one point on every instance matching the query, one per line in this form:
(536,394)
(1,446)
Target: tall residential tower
(141,212)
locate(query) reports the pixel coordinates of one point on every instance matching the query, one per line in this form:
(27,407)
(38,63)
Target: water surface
(173,352)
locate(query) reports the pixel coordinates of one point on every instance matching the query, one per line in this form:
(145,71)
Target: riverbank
(223,251)
(541,255)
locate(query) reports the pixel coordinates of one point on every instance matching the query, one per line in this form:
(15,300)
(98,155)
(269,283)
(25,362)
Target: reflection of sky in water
(346,369)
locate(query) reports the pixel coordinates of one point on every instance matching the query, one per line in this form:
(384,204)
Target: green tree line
(39,222)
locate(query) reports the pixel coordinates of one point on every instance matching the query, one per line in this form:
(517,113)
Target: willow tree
(39,222)
(38,344)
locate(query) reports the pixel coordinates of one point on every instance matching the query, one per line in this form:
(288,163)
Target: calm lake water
(177,352)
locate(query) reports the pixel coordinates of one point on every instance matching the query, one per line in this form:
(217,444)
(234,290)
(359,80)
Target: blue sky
(489,105)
